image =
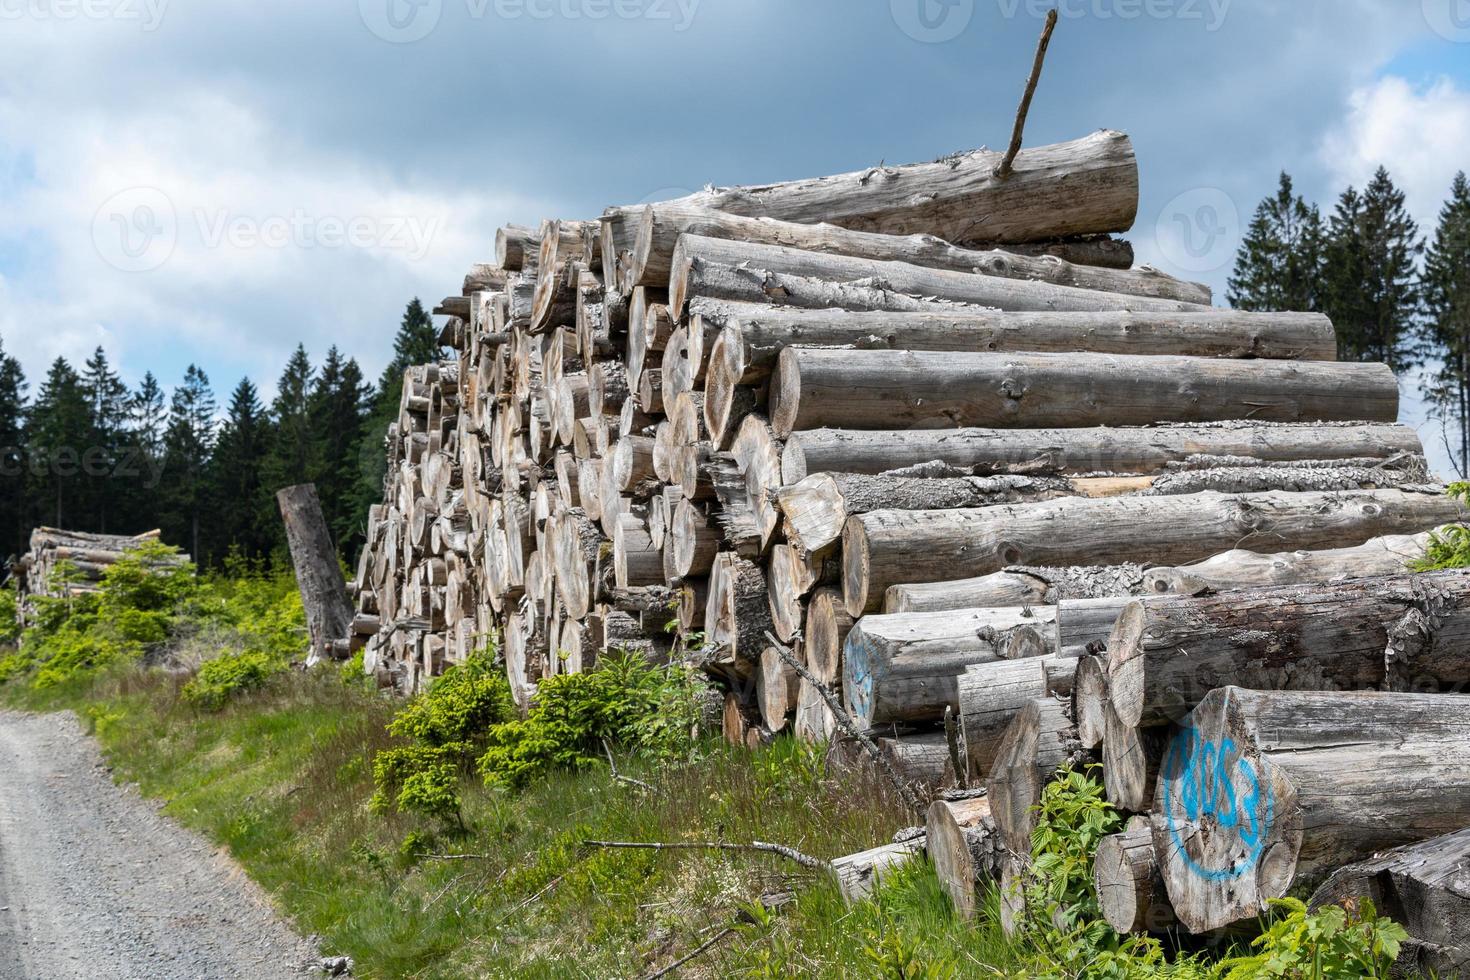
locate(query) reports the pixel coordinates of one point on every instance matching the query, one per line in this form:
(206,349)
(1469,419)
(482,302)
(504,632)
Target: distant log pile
(918,425)
(62,563)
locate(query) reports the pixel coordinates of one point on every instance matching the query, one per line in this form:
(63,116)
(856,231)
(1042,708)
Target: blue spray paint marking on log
(1211,778)
(857,655)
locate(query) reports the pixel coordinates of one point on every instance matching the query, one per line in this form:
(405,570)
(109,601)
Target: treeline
(1392,295)
(85,452)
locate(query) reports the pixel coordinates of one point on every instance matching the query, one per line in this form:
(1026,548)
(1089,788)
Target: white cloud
(1420,133)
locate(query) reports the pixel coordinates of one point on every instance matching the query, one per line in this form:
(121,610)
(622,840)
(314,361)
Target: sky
(215,181)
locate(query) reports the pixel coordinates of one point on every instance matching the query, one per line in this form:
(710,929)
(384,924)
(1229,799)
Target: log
(576,551)
(1085,450)
(814,719)
(1090,701)
(662,225)
(965,849)
(737,616)
(882,547)
(1266,791)
(1082,187)
(747,272)
(1130,890)
(1041,740)
(514,246)
(860,389)
(1167,652)
(906,667)
(753,337)
(858,874)
(1241,569)
(636,562)
(827,626)
(1425,887)
(992,694)
(776,691)
(1131,760)
(318,572)
(693,541)
(1097,250)
(816,509)
(922,761)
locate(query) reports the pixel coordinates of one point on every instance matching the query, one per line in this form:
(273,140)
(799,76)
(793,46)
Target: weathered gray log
(1090,701)
(1130,889)
(827,626)
(1167,652)
(713,268)
(883,547)
(816,509)
(815,721)
(1265,791)
(318,572)
(1098,250)
(737,616)
(1084,450)
(964,849)
(906,667)
(1042,739)
(858,874)
(1424,887)
(992,694)
(1131,760)
(662,225)
(514,246)
(1016,587)
(777,687)
(1081,187)
(753,337)
(857,389)
(1241,569)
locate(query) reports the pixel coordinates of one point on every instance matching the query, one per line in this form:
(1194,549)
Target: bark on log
(737,616)
(1263,791)
(318,572)
(1167,652)
(815,387)
(662,225)
(907,667)
(816,509)
(1084,450)
(814,719)
(712,268)
(1130,889)
(1425,888)
(753,337)
(927,546)
(965,849)
(1081,187)
(1240,569)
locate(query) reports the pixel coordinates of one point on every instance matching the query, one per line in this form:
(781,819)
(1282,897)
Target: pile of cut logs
(924,431)
(64,563)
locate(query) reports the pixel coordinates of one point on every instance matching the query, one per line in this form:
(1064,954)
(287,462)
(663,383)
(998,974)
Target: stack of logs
(922,425)
(62,563)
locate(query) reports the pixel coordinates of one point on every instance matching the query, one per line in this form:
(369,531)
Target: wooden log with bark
(1265,791)
(318,572)
(965,849)
(1130,890)
(882,548)
(1390,633)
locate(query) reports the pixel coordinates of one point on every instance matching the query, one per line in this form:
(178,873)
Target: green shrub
(223,679)
(9,618)
(624,702)
(1331,942)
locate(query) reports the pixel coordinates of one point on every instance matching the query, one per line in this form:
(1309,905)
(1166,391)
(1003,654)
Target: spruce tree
(292,457)
(14,509)
(240,505)
(1445,334)
(187,445)
(59,428)
(1279,264)
(107,397)
(1371,293)
(338,415)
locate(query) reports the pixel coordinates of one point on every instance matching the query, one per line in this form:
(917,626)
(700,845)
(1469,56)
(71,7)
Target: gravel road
(96,884)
